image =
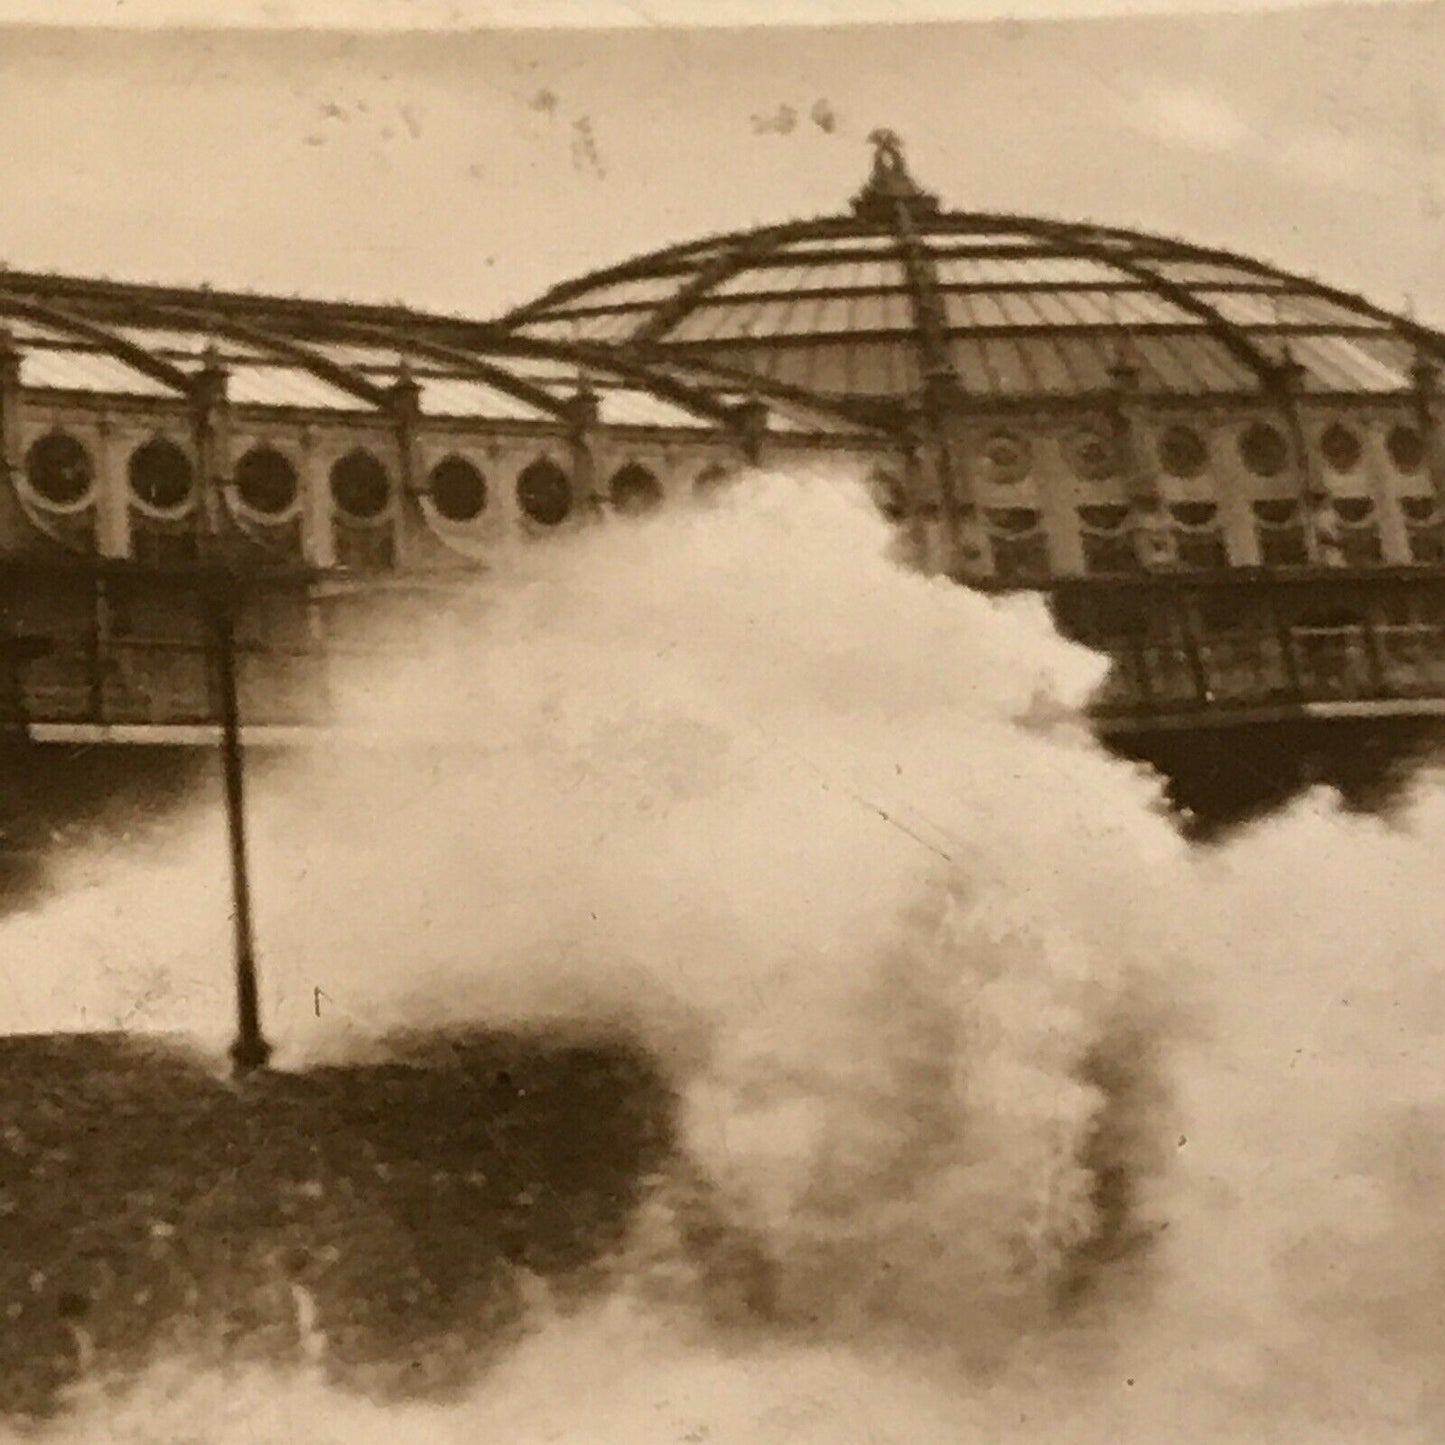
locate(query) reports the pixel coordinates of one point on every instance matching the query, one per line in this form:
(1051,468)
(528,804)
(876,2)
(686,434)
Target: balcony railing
(1292,667)
(118,657)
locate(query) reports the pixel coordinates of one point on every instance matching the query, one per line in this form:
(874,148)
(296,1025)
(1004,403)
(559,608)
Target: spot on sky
(824,117)
(782,121)
(585,155)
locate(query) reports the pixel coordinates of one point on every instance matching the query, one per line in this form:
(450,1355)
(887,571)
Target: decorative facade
(1227,477)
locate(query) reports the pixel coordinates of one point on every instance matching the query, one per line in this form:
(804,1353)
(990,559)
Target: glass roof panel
(457,396)
(1267,308)
(545,370)
(706,322)
(627,407)
(972,369)
(1018,307)
(58,369)
(614,326)
(1047,365)
(1188,272)
(829,313)
(882,275)
(944,238)
(1006,360)
(173,342)
(639,290)
(23,329)
(1161,367)
(1062,308)
(883,311)
(1191,363)
(753,279)
(1216,364)
(1088,359)
(1148,308)
(1025,271)
(884,368)
(372,358)
(289,386)
(823,245)
(1307,310)
(550,330)
(1246,308)
(1350,363)
(824,368)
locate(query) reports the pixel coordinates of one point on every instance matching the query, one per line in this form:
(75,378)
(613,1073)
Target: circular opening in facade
(544,493)
(266,481)
(1418,509)
(1092,455)
(59,469)
(713,480)
(360,486)
(1182,452)
(1341,447)
(1406,447)
(635,490)
(458,490)
(161,474)
(1007,457)
(1263,449)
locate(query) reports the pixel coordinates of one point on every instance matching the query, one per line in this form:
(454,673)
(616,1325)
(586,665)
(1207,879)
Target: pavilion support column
(1321,529)
(1150,530)
(750,425)
(1425,376)
(405,404)
(12,449)
(584,409)
(112,495)
(318,534)
(922,512)
(939,425)
(211,430)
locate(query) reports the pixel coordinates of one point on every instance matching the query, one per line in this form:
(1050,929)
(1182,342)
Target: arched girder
(644,267)
(619,364)
(717,373)
(134,356)
(930,329)
(344,378)
(1231,337)
(464,360)
(1425,337)
(712,273)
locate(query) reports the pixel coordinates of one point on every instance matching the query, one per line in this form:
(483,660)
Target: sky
(461,14)
(465,169)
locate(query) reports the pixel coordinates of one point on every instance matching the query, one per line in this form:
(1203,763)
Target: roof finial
(890,185)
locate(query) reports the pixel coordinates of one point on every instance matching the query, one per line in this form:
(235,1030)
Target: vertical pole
(250,1050)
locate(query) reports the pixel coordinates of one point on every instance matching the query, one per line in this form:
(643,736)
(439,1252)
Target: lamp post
(250,1051)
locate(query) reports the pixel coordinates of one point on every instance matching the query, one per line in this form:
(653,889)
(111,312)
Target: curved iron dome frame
(291,331)
(904,209)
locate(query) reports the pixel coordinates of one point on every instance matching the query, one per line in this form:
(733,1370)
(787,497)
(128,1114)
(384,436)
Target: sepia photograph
(722,724)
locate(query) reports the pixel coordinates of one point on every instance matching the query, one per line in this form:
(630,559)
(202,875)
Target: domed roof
(874,304)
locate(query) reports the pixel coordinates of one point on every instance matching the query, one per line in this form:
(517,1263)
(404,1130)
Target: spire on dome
(890,185)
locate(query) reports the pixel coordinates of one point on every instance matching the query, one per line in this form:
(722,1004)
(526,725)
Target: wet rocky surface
(400,1211)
